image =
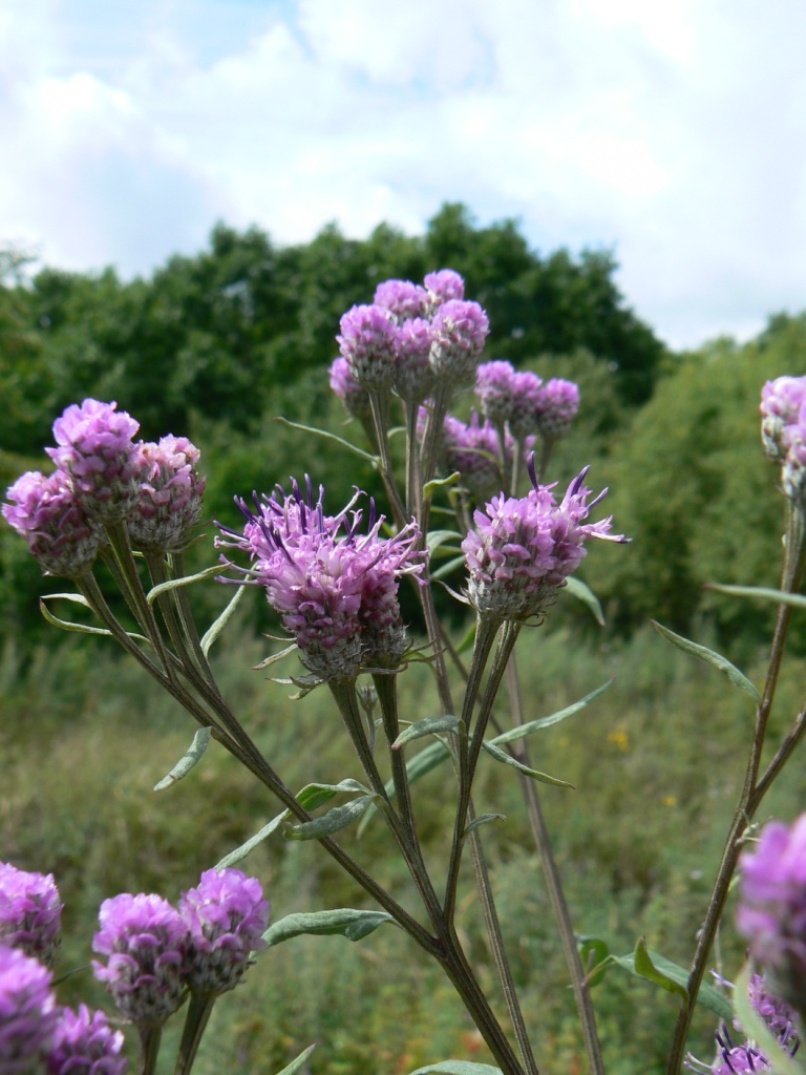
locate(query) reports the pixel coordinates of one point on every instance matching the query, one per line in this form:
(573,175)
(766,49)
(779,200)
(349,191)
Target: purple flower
(97,452)
(367,341)
(523,549)
(776,1013)
(474,450)
(60,536)
(526,390)
(772,911)
(30,912)
(460,331)
(402,299)
(344,385)
(781,403)
(85,1044)
(557,405)
(227,916)
(335,589)
(495,389)
(27,1013)
(169,494)
(145,941)
(737,1059)
(443,286)
(412,376)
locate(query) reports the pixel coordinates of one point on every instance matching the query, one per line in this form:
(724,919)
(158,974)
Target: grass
(657,763)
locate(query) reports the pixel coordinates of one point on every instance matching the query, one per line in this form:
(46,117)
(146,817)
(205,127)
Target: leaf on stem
(186,580)
(313,795)
(333,821)
(78,628)
(585,594)
(482,819)
(535,774)
(374,459)
(778,597)
(447,568)
(546,722)
(340,921)
(441,483)
(458,1067)
(296,1065)
(191,757)
(245,848)
(436,538)
(218,625)
(737,678)
(428,726)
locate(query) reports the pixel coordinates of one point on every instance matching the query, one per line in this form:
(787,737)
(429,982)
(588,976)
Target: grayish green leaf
(535,774)
(374,459)
(193,755)
(482,819)
(428,726)
(737,678)
(458,1067)
(546,722)
(313,795)
(218,625)
(295,1065)
(341,921)
(585,594)
(777,597)
(186,580)
(333,821)
(77,628)
(245,848)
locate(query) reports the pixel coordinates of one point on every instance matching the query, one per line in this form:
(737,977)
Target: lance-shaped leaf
(314,795)
(457,1067)
(221,621)
(333,821)
(374,459)
(296,1065)
(427,726)
(482,819)
(737,678)
(780,1058)
(777,597)
(546,722)
(672,977)
(437,538)
(341,921)
(448,568)
(585,594)
(69,625)
(191,757)
(242,851)
(186,580)
(535,774)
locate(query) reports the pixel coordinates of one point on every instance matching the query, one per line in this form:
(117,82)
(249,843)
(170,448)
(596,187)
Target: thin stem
(150,1037)
(198,1014)
(379,401)
(554,885)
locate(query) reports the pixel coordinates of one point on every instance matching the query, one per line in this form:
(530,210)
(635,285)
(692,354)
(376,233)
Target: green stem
(198,1014)
(150,1037)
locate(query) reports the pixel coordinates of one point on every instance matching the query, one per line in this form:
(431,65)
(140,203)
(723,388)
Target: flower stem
(198,1014)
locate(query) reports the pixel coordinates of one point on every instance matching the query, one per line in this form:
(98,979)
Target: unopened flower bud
(30,912)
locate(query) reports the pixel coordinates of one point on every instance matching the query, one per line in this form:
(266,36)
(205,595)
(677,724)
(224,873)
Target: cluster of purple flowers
(103,476)
(525,404)
(783,431)
(334,587)
(154,953)
(524,548)
(410,340)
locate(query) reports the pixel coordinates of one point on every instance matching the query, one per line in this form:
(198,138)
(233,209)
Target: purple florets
(444,286)
(30,912)
(61,537)
(412,376)
(96,450)
(367,341)
(495,389)
(85,1044)
(460,331)
(28,1013)
(344,385)
(526,395)
(402,298)
(474,450)
(557,405)
(169,494)
(335,589)
(783,431)
(227,916)
(523,549)
(772,912)
(145,941)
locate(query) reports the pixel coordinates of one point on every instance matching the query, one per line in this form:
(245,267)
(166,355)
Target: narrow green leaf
(458,1067)
(585,594)
(441,483)
(778,597)
(428,726)
(313,795)
(77,628)
(193,755)
(218,625)
(737,678)
(273,658)
(546,722)
(295,1065)
(447,568)
(333,821)
(341,921)
(441,537)
(186,580)
(535,774)
(245,848)
(374,459)
(781,1061)
(482,819)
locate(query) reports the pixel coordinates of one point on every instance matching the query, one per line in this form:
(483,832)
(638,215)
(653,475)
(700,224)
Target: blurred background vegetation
(216,347)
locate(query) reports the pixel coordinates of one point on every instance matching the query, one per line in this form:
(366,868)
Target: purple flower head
(169,496)
(781,403)
(443,286)
(145,941)
(344,385)
(557,405)
(28,1013)
(412,376)
(738,1059)
(772,911)
(402,299)
(30,912)
(776,1013)
(460,331)
(526,390)
(495,389)
(85,1044)
(334,588)
(60,536)
(474,450)
(523,549)
(227,916)
(96,450)
(367,341)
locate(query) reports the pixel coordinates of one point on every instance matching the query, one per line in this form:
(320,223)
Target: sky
(672,133)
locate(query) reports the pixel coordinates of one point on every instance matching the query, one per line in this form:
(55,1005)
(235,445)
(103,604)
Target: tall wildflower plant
(333,574)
